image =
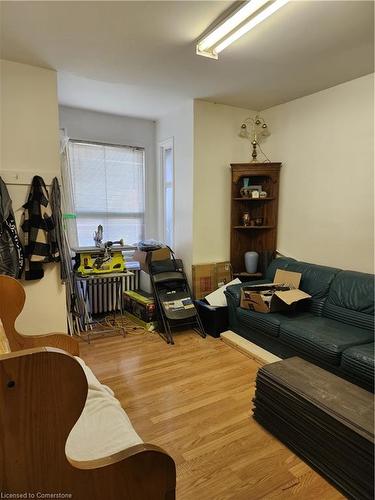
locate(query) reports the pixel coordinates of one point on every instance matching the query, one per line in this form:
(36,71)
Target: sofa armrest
(233,296)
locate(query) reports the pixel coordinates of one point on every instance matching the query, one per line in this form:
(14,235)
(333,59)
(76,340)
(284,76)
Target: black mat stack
(324,419)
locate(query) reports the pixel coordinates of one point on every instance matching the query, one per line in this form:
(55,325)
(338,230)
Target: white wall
(216,145)
(326,144)
(29,144)
(179,126)
(123,130)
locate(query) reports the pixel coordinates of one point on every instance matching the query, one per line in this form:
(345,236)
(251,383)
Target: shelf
(253,227)
(248,275)
(244,198)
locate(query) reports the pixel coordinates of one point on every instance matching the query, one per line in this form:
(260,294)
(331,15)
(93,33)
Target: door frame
(163,146)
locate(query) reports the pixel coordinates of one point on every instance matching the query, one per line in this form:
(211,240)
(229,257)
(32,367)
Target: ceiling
(138,58)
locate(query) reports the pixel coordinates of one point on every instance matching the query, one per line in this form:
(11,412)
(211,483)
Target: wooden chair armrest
(46,389)
(131,468)
(57,340)
(12,299)
(120,456)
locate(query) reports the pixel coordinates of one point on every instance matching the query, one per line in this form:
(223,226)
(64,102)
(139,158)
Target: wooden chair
(12,300)
(43,391)
(42,394)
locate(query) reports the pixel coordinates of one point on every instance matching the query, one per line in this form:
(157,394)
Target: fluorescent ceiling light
(235,26)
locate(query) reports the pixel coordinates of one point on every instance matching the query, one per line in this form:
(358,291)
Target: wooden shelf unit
(253,227)
(247,275)
(261,239)
(244,198)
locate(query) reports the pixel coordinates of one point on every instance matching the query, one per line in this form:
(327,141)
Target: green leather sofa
(334,329)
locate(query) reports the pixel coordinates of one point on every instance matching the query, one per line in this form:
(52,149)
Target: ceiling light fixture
(236,25)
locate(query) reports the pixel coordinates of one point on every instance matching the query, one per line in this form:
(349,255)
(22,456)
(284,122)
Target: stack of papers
(217,298)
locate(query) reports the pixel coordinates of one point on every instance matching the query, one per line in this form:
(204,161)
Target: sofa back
(316,281)
(351,299)
(279,263)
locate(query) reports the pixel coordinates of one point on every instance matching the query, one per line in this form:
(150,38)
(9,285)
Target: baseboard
(248,348)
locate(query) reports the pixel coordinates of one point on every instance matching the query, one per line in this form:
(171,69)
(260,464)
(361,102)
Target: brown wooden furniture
(12,300)
(43,391)
(261,239)
(42,394)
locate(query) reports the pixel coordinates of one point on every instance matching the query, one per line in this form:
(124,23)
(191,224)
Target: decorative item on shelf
(244,191)
(259,221)
(253,191)
(263,194)
(245,219)
(251,262)
(256,130)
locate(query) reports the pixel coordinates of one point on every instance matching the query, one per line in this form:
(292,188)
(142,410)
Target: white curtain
(68,208)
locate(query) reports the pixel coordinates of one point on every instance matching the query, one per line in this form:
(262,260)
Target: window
(166,151)
(108,189)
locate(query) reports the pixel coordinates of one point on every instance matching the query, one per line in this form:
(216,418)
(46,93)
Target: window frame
(113,215)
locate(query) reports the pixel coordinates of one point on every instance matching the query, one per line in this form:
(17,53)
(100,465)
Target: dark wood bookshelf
(247,275)
(253,227)
(261,239)
(244,198)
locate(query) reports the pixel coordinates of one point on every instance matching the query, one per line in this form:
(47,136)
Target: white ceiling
(138,58)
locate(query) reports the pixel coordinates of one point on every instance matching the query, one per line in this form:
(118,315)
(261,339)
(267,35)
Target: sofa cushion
(266,323)
(321,338)
(351,299)
(315,281)
(103,427)
(360,361)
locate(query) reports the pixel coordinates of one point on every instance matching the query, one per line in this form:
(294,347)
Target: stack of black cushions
(359,360)
(326,420)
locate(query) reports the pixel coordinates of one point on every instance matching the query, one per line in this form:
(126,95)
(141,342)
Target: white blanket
(103,427)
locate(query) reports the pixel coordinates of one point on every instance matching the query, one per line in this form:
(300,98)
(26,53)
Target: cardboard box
(209,277)
(280,295)
(141,305)
(141,257)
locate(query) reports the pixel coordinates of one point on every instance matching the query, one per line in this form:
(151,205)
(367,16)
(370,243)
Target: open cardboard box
(141,257)
(266,298)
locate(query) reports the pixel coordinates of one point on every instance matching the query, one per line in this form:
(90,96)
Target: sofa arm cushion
(103,427)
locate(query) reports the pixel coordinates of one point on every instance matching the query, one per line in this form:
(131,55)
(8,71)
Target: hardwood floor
(194,400)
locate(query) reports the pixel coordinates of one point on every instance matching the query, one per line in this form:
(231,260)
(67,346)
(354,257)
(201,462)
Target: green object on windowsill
(69,216)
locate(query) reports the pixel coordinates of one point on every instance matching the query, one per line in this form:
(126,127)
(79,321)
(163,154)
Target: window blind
(109,189)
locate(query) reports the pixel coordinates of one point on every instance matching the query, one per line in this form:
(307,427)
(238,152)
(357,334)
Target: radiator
(101,295)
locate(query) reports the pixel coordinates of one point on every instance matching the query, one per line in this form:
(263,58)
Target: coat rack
(24,177)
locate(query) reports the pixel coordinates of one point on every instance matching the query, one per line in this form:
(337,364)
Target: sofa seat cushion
(265,323)
(360,361)
(322,338)
(103,427)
